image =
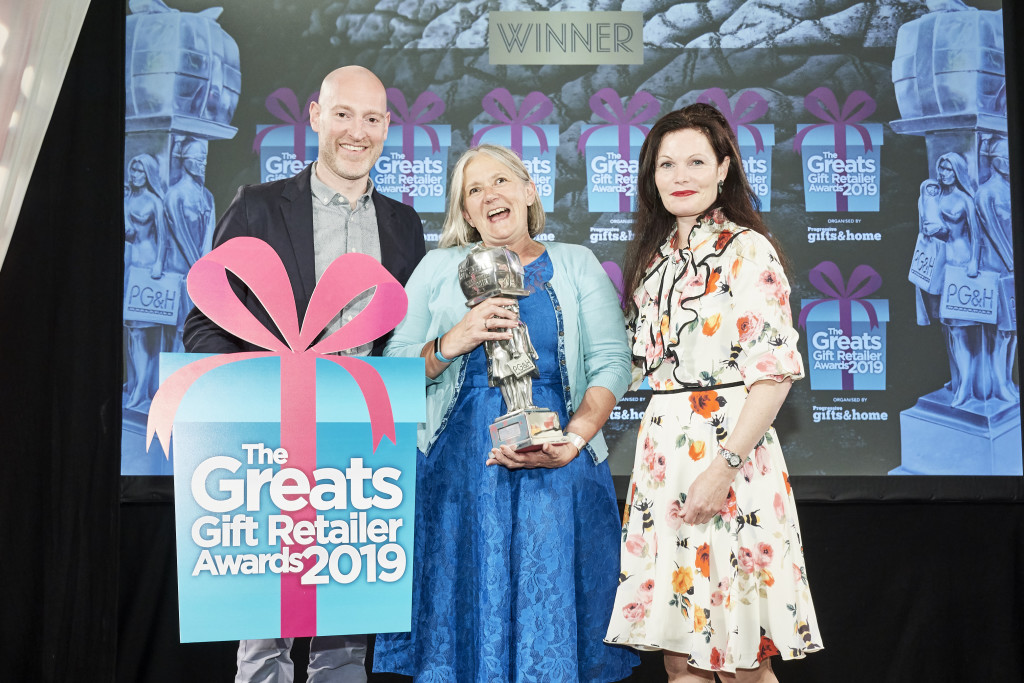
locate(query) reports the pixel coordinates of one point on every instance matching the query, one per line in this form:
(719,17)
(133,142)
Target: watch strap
(731,458)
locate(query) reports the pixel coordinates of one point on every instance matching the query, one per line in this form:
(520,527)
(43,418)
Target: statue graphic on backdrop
(929,263)
(950,85)
(191,215)
(929,211)
(182,84)
(146,235)
(948,6)
(996,238)
(957,228)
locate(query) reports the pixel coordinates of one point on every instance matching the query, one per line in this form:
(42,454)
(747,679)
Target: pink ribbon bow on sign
(427,107)
(500,104)
(822,103)
(828,279)
(283,104)
(750,106)
(259,267)
(607,104)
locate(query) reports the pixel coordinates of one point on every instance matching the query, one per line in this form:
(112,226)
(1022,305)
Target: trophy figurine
(496,271)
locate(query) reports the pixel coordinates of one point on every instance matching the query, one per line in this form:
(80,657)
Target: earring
(721,186)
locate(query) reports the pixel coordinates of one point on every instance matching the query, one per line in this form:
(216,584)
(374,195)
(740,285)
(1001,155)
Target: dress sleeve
(764,323)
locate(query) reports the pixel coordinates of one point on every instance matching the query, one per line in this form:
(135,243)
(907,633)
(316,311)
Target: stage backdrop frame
(254,102)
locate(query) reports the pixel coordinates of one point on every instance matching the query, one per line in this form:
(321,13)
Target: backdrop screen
(876,139)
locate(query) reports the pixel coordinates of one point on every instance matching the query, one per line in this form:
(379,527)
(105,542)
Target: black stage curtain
(60,364)
(907,591)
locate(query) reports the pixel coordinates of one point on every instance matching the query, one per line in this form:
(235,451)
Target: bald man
(328,209)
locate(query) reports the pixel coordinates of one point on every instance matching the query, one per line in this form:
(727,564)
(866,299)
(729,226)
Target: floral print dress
(712,318)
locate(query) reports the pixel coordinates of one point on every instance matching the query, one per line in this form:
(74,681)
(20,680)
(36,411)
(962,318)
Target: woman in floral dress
(712,563)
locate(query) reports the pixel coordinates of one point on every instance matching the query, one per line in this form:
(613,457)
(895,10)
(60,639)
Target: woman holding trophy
(516,546)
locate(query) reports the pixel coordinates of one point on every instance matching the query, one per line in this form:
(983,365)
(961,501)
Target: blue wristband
(437,352)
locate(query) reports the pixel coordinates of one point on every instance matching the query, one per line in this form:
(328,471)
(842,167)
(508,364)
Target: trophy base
(527,430)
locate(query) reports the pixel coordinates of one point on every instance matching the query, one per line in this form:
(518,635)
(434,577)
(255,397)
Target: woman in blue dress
(516,554)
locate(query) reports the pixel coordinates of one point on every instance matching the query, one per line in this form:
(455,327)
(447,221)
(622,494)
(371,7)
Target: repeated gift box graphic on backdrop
(522,132)
(845,330)
(612,148)
(288,147)
(755,140)
(841,157)
(413,168)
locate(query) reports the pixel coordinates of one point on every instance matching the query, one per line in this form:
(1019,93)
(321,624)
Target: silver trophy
(496,271)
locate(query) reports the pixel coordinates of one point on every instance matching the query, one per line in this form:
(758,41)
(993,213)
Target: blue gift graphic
(278,159)
(841,157)
(757,160)
(830,180)
(832,353)
(310,536)
(240,404)
(611,175)
(843,347)
(755,140)
(612,148)
(292,144)
(418,176)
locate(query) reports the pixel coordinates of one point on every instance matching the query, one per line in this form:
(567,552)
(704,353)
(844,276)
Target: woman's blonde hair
(457,232)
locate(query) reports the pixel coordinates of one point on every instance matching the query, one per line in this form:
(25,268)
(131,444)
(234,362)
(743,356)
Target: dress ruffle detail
(666,301)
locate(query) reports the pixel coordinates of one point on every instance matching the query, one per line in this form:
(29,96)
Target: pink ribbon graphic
(500,104)
(258,266)
(822,103)
(828,279)
(607,104)
(427,107)
(750,106)
(283,104)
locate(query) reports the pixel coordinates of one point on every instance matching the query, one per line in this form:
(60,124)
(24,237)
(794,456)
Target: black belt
(697,387)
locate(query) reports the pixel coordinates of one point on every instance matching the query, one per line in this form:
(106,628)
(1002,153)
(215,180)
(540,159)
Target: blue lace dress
(515,571)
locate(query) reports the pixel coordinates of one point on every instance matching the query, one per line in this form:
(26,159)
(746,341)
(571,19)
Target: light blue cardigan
(594,348)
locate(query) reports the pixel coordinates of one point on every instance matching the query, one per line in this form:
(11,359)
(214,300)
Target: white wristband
(576,440)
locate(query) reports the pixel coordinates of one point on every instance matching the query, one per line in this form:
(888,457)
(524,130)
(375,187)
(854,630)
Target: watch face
(733,459)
